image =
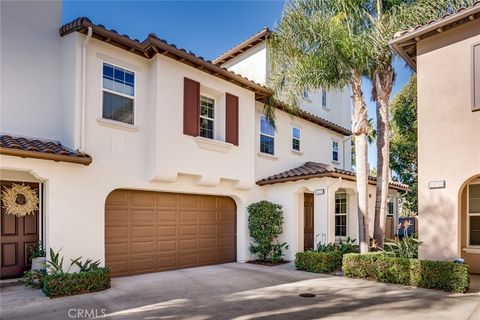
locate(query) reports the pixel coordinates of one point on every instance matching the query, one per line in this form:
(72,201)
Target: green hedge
(67,284)
(441,275)
(319,262)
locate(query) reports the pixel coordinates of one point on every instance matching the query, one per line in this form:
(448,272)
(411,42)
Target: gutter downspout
(328,204)
(343,151)
(83,91)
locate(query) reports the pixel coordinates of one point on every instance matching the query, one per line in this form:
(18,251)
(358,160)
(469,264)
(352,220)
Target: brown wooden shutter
(231,121)
(191,107)
(476,77)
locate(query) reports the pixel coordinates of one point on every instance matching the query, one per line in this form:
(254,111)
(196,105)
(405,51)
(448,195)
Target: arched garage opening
(148,231)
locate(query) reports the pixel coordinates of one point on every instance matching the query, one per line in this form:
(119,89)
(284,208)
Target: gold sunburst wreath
(19,200)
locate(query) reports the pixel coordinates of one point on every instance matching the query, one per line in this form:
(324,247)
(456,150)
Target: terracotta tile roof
(404,42)
(153,45)
(257,38)
(40,149)
(312,170)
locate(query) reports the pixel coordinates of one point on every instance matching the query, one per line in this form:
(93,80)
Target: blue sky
(207,28)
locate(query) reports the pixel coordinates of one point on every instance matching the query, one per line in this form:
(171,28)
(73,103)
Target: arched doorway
(470,223)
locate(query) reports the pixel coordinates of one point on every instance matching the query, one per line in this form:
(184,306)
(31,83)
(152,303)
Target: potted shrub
(38,256)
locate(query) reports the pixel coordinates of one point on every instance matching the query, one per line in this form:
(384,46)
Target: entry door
(18,234)
(308,234)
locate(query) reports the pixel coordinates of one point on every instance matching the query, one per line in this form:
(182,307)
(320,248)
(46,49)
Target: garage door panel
(165,246)
(149,231)
(117,234)
(189,244)
(167,262)
(167,231)
(143,232)
(142,247)
(117,217)
(143,217)
(166,217)
(188,231)
(141,198)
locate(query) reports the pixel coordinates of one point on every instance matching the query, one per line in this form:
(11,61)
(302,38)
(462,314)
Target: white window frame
(337,151)
(391,200)
(265,134)
(134,97)
(324,98)
(470,215)
(204,117)
(341,214)
(299,139)
(306,94)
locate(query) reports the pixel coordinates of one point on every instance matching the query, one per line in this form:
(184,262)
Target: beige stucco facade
(448,141)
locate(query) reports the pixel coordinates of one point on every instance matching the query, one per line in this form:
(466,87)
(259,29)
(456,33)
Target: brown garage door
(154,231)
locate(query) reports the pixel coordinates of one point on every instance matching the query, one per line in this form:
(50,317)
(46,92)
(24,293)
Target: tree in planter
(265,224)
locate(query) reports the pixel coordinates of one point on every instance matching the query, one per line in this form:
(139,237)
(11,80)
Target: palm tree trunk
(360,131)
(382,86)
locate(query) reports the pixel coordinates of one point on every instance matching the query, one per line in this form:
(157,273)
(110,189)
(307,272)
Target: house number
(436,184)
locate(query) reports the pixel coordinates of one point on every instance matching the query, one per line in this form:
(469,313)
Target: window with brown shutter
(231,121)
(476,78)
(191,107)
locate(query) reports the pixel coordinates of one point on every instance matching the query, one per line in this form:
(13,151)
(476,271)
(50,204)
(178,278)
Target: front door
(18,234)
(308,234)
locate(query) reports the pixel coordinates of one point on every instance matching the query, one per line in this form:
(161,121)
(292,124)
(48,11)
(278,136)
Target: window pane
(296,133)
(206,128)
(119,74)
(266,144)
(335,156)
(107,83)
(107,70)
(117,108)
(266,127)
(296,144)
(129,77)
(474,191)
(475,230)
(390,209)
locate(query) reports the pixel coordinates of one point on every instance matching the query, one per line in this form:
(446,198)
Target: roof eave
(86,160)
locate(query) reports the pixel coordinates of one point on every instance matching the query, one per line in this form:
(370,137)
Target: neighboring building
(156,152)
(446,56)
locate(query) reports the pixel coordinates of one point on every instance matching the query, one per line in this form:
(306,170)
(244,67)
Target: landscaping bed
(268,263)
(319,262)
(441,275)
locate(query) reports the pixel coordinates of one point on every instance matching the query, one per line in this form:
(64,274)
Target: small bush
(441,275)
(319,262)
(68,284)
(33,278)
(265,224)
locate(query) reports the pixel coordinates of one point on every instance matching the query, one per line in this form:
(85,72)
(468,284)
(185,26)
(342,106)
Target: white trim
(472,249)
(213,145)
(338,151)
(298,153)
(119,63)
(134,97)
(117,124)
(299,139)
(341,214)
(470,215)
(266,135)
(267,156)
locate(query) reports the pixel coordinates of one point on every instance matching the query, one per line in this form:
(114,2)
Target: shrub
(406,247)
(447,276)
(342,246)
(319,262)
(67,284)
(265,222)
(33,278)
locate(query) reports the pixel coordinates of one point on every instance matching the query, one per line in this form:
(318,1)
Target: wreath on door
(19,200)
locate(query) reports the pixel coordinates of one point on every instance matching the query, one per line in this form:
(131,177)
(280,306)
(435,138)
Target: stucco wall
(30,77)
(449,135)
(252,64)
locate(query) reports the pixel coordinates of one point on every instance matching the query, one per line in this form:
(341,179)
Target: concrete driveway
(241,292)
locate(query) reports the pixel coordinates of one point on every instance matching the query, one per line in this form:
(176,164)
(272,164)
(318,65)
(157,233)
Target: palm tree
(321,44)
(387,18)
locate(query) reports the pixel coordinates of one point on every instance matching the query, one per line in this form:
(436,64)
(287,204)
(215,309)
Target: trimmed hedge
(319,262)
(441,275)
(68,284)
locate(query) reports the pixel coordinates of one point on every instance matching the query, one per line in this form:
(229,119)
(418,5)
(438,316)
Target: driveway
(242,291)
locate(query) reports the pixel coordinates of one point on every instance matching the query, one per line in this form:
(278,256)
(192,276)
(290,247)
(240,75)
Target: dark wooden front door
(18,234)
(308,236)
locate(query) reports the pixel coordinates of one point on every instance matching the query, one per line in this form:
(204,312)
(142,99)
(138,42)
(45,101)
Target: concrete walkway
(241,292)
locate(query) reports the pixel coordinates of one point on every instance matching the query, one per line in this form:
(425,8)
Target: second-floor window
(335,151)
(324,98)
(207,117)
(118,94)
(267,136)
(296,138)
